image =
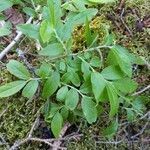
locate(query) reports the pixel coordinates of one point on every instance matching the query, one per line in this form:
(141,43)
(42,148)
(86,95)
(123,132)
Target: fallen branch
(123,22)
(33,127)
(141,91)
(141,132)
(16,39)
(17,144)
(121,4)
(46,141)
(147,64)
(110,142)
(53,143)
(59,142)
(3,112)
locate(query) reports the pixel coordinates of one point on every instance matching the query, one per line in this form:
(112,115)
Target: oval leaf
(75,79)
(52,50)
(113,98)
(126,85)
(29,30)
(72,99)
(112,73)
(44,70)
(111,129)
(123,59)
(30,89)
(45,31)
(18,69)
(62,92)
(56,124)
(51,85)
(98,85)
(11,88)
(89,109)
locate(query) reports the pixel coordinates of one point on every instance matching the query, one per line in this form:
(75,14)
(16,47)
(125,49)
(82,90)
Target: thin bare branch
(141,91)
(141,132)
(33,127)
(16,39)
(2,113)
(63,131)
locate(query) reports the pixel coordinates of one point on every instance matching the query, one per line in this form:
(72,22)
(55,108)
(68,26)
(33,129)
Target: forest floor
(129,23)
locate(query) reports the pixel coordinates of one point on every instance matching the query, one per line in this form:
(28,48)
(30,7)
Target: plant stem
(73,88)
(61,42)
(88,63)
(80,52)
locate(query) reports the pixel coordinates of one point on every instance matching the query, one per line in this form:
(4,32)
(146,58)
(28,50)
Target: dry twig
(141,132)
(2,113)
(123,22)
(121,4)
(58,143)
(55,145)
(16,39)
(141,91)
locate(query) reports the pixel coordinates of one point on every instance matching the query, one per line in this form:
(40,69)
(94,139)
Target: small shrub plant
(78,84)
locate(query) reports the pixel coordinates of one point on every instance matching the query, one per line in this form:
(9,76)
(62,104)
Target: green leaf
(29,11)
(110,59)
(4,4)
(98,85)
(111,129)
(74,64)
(66,78)
(52,50)
(113,99)
(62,66)
(64,112)
(51,85)
(29,30)
(62,92)
(69,6)
(79,5)
(123,59)
(4,31)
(30,89)
(89,109)
(102,1)
(45,31)
(71,76)
(75,79)
(135,59)
(72,99)
(130,114)
(18,69)
(95,62)
(88,34)
(76,5)
(44,70)
(50,110)
(109,39)
(11,88)
(76,19)
(54,12)
(80,18)
(138,105)
(126,85)
(86,88)
(85,68)
(56,124)
(112,73)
